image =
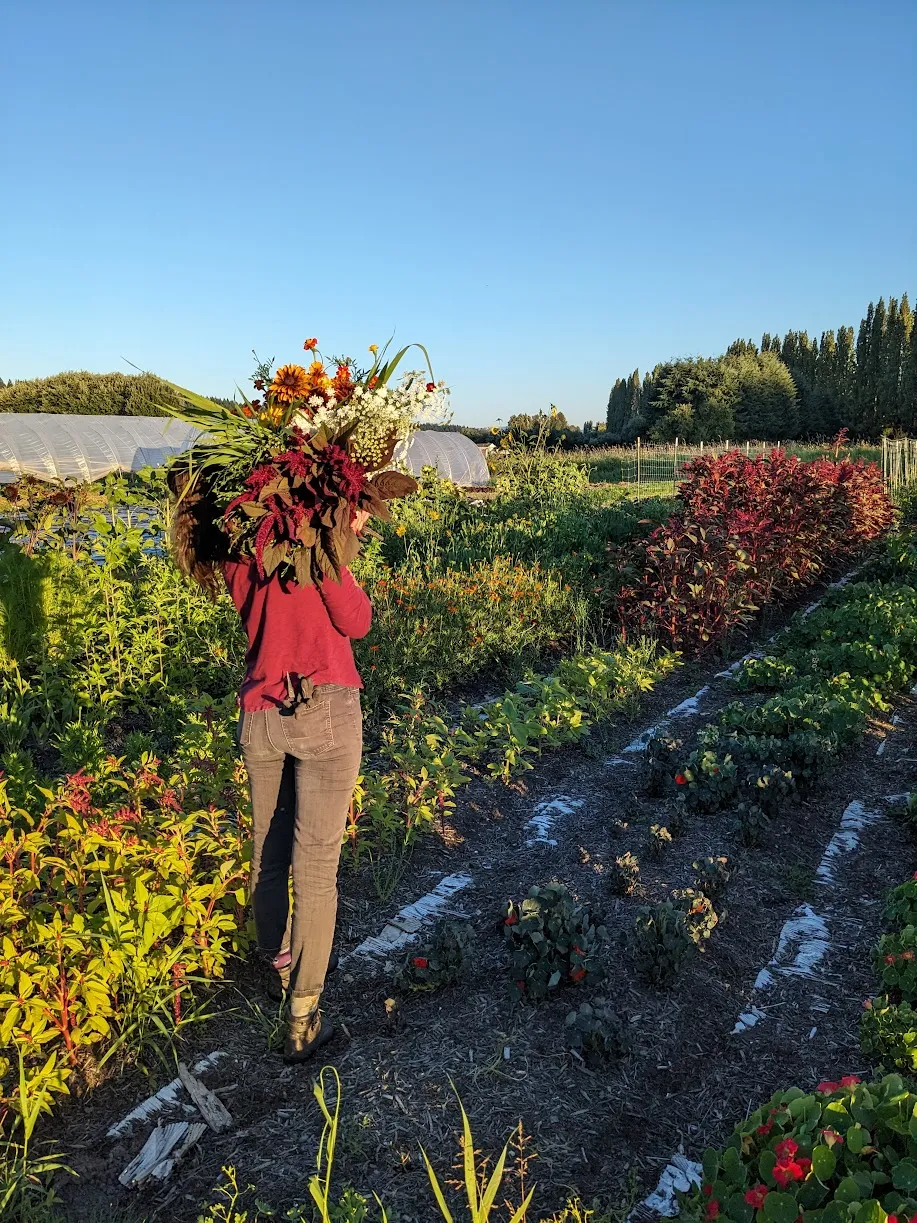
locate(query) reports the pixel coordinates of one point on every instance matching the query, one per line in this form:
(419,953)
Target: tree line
(790,386)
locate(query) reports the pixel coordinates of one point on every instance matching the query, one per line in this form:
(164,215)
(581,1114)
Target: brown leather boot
(306,1033)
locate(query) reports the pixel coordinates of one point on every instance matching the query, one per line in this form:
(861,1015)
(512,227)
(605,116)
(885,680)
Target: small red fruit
(420,962)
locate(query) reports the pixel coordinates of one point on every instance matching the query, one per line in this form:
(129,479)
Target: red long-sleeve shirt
(300,630)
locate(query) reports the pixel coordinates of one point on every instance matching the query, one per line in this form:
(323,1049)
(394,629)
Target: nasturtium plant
(846,1151)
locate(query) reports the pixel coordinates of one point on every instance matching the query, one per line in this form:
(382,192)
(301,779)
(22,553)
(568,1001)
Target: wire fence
(658,469)
(899,462)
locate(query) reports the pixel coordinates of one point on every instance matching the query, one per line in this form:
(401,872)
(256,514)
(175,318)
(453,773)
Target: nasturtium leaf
(870,1212)
(834,1212)
(738,1210)
(857,1138)
(824,1163)
(847,1191)
(766,1164)
(904,1175)
(780,1208)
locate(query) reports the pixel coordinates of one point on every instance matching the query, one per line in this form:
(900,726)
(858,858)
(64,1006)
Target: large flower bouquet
(291,468)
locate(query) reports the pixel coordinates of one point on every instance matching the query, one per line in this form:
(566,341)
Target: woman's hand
(361,518)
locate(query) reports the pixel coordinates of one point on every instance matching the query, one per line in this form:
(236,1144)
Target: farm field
(549,707)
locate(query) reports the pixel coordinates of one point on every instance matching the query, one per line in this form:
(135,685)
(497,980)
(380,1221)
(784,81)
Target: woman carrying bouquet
(301,735)
(273,501)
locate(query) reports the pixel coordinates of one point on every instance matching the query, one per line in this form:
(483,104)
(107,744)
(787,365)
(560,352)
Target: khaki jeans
(302,768)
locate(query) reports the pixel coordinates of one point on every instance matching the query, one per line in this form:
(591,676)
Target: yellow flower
(434,515)
(401,530)
(374,348)
(495,430)
(290,382)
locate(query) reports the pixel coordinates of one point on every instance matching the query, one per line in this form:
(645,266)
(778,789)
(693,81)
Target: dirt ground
(602,1132)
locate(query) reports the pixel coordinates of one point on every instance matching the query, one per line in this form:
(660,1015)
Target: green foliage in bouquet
(553,941)
(847,1151)
(287,475)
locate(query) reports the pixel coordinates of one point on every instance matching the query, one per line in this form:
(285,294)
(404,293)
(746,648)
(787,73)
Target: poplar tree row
(792,386)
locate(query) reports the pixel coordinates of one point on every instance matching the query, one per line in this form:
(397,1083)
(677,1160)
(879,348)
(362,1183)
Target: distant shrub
(83,393)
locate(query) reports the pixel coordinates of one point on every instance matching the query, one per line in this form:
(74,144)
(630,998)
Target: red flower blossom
(764,1130)
(850,1080)
(513,918)
(431,386)
(259,384)
(577,975)
(755,1197)
(788,1171)
(787,1147)
(827,1088)
(832,1137)
(420,962)
(713,1209)
(310,345)
(707,1191)
(680,779)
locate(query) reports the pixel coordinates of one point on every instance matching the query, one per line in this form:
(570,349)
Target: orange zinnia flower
(290,382)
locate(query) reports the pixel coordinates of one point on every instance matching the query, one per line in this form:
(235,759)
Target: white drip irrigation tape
(405,926)
(166,1097)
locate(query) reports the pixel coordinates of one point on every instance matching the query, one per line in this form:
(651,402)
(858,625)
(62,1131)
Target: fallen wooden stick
(212,1108)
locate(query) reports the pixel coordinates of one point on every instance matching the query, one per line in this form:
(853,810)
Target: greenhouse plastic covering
(455,456)
(54,446)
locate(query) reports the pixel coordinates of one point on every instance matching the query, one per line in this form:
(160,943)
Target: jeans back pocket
(308,732)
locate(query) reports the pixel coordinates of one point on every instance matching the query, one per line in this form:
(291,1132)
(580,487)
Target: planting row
(135,876)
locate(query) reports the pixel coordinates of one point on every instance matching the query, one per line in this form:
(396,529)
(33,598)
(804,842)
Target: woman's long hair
(197,544)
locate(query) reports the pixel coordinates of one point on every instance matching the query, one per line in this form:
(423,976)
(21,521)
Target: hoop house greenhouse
(56,447)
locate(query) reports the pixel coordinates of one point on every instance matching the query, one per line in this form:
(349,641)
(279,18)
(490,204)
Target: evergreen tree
(908,390)
(845,377)
(634,400)
(764,397)
(617,409)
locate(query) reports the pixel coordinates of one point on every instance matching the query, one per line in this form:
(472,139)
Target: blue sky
(548,195)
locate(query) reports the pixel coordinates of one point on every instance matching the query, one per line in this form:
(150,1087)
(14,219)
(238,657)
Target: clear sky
(547,194)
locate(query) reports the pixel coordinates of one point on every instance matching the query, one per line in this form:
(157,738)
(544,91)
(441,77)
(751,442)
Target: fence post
(638,462)
(675,470)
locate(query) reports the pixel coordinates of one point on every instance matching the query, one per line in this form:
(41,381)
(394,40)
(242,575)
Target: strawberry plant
(625,874)
(888,1034)
(660,942)
(552,941)
(440,960)
(596,1033)
(845,1151)
(895,959)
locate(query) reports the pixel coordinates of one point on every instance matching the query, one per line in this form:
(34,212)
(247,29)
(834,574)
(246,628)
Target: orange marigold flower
(290,382)
(310,345)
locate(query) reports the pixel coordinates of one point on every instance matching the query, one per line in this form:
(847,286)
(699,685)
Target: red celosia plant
(749,532)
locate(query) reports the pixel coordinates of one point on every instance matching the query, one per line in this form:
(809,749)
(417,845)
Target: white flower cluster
(379,414)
